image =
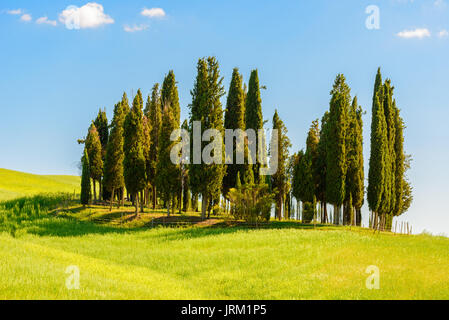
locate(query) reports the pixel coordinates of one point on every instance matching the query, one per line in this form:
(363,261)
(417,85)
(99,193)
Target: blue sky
(54,80)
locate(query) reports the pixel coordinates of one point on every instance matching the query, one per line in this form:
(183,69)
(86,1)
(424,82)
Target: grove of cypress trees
(134,161)
(336,145)
(113,166)
(234,119)
(85,180)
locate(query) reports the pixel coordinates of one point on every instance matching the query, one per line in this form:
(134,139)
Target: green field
(122,258)
(14,184)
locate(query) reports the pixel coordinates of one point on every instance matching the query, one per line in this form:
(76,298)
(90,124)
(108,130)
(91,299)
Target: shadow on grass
(56,215)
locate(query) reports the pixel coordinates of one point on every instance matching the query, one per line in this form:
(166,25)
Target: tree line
(130,157)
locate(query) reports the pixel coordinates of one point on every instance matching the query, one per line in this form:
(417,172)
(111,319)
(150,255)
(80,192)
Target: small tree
(93,146)
(85,180)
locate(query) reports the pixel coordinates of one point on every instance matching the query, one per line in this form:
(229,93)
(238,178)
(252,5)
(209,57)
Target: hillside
(14,184)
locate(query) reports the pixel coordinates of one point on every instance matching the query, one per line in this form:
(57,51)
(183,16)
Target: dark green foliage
(113,167)
(93,146)
(169,96)
(336,142)
(134,161)
(354,158)
(400,165)
(279,180)
(101,123)
(85,180)
(147,148)
(253,111)
(320,167)
(168,174)
(206,179)
(234,119)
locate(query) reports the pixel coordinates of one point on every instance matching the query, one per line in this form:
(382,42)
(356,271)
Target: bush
(251,202)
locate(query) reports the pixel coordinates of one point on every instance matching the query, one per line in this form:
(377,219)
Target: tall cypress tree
(85,180)
(377,173)
(134,162)
(253,111)
(155,117)
(93,146)
(169,96)
(206,179)
(336,145)
(355,173)
(113,166)
(279,179)
(146,124)
(234,119)
(167,178)
(320,168)
(400,162)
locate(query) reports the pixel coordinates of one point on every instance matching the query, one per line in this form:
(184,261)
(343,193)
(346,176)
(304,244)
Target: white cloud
(153,13)
(443,33)
(15,11)
(91,15)
(26,17)
(135,28)
(44,20)
(417,33)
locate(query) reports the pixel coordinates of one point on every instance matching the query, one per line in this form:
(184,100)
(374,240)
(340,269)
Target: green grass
(123,258)
(285,261)
(14,184)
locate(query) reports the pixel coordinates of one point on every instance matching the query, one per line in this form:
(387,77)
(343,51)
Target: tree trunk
(95,191)
(112,199)
(358,216)
(100,193)
(168,208)
(154,197)
(136,203)
(203,206)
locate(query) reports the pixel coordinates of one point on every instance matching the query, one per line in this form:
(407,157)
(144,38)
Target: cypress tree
(355,174)
(155,117)
(206,179)
(253,112)
(101,123)
(113,166)
(336,145)
(234,119)
(93,146)
(400,162)
(377,174)
(321,167)
(279,180)
(167,178)
(85,180)
(134,161)
(169,96)
(146,152)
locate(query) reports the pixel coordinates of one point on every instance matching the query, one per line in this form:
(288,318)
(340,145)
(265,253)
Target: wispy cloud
(44,20)
(26,17)
(153,13)
(135,28)
(15,11)
(440,4)
(88,16)
(443,33)
(418,33)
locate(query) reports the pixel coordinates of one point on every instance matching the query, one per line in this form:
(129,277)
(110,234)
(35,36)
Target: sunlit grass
(285,261)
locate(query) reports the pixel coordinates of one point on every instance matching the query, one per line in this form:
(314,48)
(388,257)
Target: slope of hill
(14,184)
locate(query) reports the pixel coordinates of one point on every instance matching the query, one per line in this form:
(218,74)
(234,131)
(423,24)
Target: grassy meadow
(120,257)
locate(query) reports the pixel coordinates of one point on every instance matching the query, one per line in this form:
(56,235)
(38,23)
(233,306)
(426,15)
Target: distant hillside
(14,184)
